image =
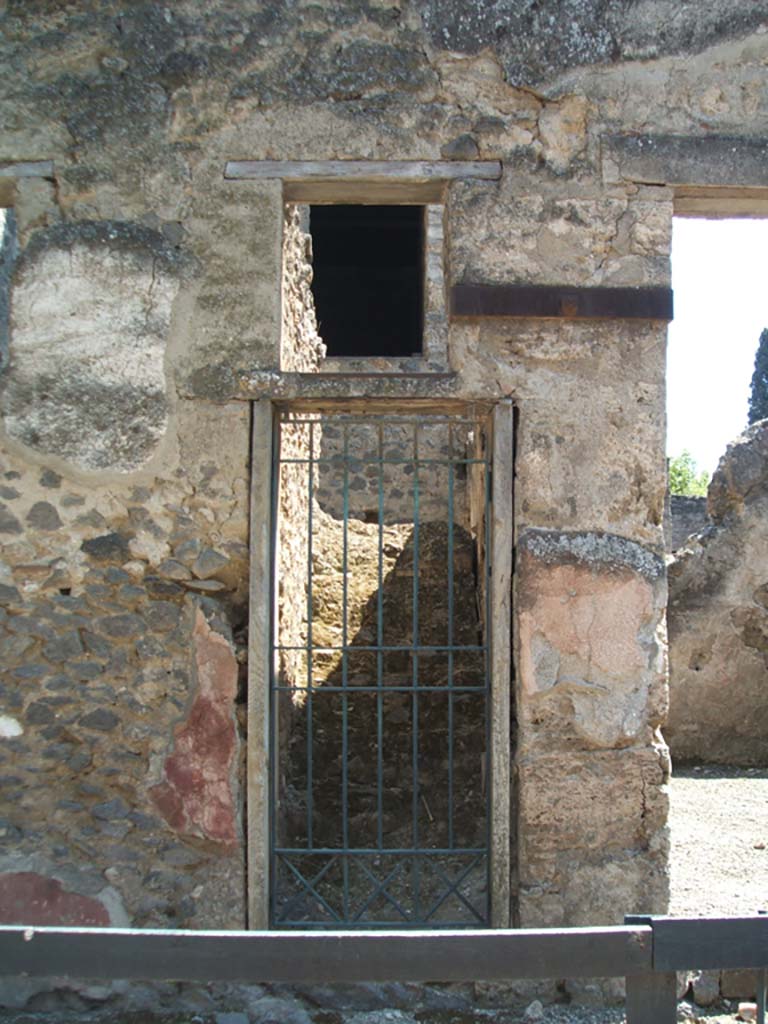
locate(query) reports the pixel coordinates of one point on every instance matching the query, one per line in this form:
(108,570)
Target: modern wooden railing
(647,951)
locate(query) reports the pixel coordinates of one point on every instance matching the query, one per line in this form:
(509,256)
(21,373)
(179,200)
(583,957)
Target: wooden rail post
(651,996)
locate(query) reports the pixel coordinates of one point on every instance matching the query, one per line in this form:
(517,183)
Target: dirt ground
(719,834)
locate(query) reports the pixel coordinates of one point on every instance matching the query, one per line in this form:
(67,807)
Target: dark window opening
(368,278)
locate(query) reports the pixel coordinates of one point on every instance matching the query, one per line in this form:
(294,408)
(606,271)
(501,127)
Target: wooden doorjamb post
(259,653)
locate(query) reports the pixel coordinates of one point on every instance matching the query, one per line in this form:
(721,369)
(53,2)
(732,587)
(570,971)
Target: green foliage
(758,398)
(684,477)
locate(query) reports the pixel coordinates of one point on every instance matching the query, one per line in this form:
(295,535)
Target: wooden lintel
(365,193)
(318,386)
(561,302)
(717,203)
(406,172)
(27,169)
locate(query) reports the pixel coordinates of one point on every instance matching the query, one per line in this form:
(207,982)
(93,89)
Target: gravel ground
(719,832)
(719,866)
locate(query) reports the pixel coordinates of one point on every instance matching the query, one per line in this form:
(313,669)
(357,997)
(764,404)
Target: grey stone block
(8,521)
(68,645)
(122,626)
(43,516)
(108,547)
(111,810)
(101,719)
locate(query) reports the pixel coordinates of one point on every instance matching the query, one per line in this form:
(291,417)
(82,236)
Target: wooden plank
(27,169)
(501,662)
(652,998)
(717,203)
(259,653)
(719,192)
(561,301)
(689,943)
(324,956)
(405,171)
(385,406)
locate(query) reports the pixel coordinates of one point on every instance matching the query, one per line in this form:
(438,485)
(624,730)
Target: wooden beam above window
(363,181)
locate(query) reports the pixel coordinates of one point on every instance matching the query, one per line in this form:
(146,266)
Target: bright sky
(720,280)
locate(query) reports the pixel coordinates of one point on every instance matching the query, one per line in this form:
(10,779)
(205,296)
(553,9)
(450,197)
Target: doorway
(385,730)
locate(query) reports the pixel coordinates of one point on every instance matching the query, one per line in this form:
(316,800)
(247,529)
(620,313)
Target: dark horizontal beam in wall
(725,160)
(561,302)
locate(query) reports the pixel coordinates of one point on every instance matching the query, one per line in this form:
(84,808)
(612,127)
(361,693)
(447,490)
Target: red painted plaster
(196,795)
(29,898)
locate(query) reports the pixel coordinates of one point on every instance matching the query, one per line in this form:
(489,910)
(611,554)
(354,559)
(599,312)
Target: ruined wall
(718,617)
(120,741)
(146,310)
(685,515)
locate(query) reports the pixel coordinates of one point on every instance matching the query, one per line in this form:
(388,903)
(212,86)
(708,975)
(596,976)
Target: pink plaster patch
(196,795)
(29,898)
(594,619)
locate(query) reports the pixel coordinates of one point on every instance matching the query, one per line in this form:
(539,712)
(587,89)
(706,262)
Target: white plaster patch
(9,727)
(86,377)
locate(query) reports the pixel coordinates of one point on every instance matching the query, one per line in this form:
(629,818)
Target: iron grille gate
(379,721)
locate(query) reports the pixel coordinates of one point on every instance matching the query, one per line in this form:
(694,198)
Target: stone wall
(121,751)
(718,617)
(146,313)
(686,515)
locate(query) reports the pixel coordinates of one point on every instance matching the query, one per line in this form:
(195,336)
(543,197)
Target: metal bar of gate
(450,634)
(310,663)
(345,675)
(416,864)
(379,654)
